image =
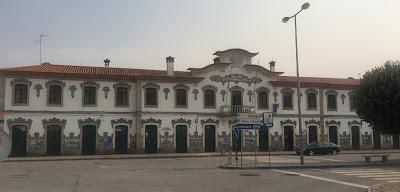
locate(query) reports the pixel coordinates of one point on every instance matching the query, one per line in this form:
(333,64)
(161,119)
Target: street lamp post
(284,20)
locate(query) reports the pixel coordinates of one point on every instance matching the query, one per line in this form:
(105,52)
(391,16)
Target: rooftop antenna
(42,36)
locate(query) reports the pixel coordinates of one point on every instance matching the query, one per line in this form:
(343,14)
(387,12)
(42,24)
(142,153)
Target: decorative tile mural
(387,140)
(36,143)
(105,142)
(366,139)
(72,142)
(196,141)
(344,139)
(276,140)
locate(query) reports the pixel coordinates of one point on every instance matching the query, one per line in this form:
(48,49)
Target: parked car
(320,148)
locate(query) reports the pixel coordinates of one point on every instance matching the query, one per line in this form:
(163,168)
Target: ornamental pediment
(236,78)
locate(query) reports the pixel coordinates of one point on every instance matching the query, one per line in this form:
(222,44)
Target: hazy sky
(337,38)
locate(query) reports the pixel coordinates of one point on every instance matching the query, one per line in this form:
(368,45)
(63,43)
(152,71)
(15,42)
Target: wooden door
(121,139)
(18,146)
(151,139)
(89,139)
(181,138)
(209,139)
(54,133)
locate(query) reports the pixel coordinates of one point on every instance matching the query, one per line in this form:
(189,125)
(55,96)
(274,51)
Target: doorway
(355,137)
(396,142)
(263,138)
(121,139)
(237,140)
(151,139)
(89,133)
(209,139)
(289,137)
(376,137)
(18,146)
(312,134)
(53,140)
(333,134)
(181,138)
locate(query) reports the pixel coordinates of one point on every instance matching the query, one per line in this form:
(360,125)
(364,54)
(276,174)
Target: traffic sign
(268,119)
(249,119)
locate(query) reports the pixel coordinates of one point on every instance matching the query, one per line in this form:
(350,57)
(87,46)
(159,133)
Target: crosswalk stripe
(350,172)
(394,181)
(368,173)
(380,176)
(393,178)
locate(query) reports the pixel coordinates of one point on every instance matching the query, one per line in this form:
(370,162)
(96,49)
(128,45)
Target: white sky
(337,38)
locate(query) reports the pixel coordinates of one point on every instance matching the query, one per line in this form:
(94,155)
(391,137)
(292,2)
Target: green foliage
(377,99)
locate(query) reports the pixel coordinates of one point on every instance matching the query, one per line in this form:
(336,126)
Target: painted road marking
(389,176)
(326,159)
(323,179)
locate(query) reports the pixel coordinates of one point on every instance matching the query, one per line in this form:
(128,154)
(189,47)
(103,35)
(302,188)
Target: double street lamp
(284,20)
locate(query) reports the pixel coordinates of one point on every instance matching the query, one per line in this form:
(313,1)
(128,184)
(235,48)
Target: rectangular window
(122,96)
(55,94)
(209,98)
(352,103)
(287,100)
(20,94)
(181,98)
(311,101)
(332,102)
(262,100)
(89,97)
(151,97)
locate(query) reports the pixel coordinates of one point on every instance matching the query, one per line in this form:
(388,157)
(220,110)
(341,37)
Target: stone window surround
(124,85)
(262,89)
(182,86)
(151,85)
(331,92)
(28,85)
(58,83)
(291,91)
(89,84)
(316,99)
(236,88)
(213,88)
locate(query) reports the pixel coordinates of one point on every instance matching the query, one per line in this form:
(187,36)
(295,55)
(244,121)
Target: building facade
(71,110)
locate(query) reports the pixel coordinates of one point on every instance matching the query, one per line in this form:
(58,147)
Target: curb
(311,166)
(384,187)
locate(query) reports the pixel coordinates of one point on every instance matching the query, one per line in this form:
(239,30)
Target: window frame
(334,93)
(287,90)
(351,94)
(121,85)
(312,91)
(28,85)
(89,84)
(210,88)
(145,87)
(56,83)
(266,90)
(183,87)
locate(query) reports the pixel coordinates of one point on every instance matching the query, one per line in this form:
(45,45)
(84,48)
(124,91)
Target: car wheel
(334,152)
(311,153)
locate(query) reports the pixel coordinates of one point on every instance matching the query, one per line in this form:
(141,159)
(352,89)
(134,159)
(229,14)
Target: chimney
(272,66)
(170,66)
(106,62)
(216,60)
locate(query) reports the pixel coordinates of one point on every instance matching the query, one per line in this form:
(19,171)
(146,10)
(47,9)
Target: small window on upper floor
(89,95)
(262,99)
(55,95)
(151,97)
(20,94)
(332,102)
(122,96)
(209,98)
(181,97)
(352,102)
(311,100)
(287,100)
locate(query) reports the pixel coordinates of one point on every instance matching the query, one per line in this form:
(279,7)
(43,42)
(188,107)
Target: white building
(63,110)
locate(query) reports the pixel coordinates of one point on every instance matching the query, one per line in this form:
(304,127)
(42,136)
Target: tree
(377,99)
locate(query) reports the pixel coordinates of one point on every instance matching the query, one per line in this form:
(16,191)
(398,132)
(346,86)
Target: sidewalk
(173,155)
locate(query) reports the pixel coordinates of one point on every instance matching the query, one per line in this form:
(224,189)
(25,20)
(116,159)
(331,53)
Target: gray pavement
(185,174)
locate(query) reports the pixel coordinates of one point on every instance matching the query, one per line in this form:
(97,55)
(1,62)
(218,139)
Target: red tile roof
(349,82)
(90,71)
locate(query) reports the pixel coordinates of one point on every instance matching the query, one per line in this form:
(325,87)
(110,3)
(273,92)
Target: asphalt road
(184,174)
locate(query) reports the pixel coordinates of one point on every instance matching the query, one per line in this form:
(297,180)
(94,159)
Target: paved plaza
(188,174)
